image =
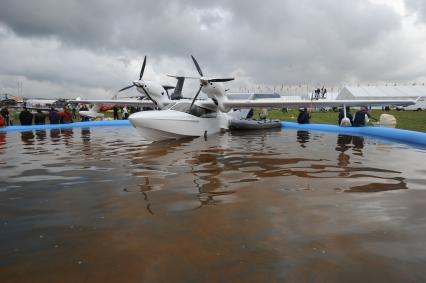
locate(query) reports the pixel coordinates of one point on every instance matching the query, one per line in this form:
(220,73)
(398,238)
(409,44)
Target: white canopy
(382,92)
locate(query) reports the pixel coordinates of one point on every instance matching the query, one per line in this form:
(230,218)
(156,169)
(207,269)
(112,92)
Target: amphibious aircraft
(192,117)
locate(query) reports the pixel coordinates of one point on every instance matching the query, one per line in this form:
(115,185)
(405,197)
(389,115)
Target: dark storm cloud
(156,26)
(268,42)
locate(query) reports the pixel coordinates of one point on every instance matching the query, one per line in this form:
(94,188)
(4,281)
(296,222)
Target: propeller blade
(221,80)
(147,95)
(167,92)
(195,97)
(197,66)
(127,87)
(143,68)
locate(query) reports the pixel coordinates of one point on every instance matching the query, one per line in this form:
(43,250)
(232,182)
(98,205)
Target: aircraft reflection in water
(219,166)
(219,171)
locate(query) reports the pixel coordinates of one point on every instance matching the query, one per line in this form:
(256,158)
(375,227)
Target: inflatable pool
(397,135)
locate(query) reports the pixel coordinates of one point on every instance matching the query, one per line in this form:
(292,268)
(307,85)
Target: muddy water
(100,205)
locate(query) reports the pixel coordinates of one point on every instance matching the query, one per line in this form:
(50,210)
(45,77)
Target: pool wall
(397,135)
(105,123)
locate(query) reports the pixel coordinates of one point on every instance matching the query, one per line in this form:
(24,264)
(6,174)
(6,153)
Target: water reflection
(358,143)
(40,135)
(303,137)
(27,137)
(55,135)
(3,142)
(67,135)
(85,138)
(85,135)
(343,144)
(399,184)
(268,207)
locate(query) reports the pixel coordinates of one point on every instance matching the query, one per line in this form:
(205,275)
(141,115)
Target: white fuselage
(180,120)
(172,124)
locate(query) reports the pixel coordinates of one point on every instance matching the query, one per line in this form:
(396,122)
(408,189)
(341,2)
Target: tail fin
(177,93)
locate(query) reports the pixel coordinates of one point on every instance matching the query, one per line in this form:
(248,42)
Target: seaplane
(182,118)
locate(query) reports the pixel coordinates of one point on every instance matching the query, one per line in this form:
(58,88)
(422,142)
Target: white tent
(382,92)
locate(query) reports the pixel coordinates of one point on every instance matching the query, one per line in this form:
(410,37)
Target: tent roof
(382,92)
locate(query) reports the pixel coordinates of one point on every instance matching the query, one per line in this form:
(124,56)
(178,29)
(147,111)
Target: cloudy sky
(91,49)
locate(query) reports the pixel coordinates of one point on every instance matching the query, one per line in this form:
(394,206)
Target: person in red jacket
(66,116)
(2,122)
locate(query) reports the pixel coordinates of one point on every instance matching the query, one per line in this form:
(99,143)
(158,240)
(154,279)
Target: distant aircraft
(192,117)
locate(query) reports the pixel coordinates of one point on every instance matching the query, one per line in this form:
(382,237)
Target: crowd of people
(361,118)
(320,93)
(26,118)
(65,116)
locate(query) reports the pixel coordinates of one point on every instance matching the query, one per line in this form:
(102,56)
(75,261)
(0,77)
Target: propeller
(205,81)
(140,76)
(140,84)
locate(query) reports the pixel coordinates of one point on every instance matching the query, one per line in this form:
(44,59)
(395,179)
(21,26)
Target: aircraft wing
(123,102)
(282,103)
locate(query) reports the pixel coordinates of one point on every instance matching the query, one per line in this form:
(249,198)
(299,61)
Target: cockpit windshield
(170,105)
(194,110)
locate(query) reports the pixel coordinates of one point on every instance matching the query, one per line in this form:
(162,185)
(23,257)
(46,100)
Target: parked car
(419,106)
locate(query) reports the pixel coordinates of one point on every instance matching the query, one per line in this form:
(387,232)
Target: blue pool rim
(391,134)
(89,124)
(396,135)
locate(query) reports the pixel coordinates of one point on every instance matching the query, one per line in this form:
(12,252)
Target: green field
(408,120)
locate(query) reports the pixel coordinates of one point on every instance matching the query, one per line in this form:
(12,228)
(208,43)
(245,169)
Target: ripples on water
(102,205)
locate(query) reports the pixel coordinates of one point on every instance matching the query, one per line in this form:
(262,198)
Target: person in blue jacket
(304,116)
(361,117)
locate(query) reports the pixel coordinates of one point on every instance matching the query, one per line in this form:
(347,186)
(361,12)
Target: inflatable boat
(253,124)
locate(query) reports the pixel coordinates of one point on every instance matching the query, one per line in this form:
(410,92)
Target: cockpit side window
(194,110)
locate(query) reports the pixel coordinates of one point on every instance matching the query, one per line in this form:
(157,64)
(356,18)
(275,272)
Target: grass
(407,120)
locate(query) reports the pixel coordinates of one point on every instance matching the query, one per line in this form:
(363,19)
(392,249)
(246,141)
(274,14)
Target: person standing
(66,116)
(83,118)
(304,116)
(323,93)
(54,117)
(5,113)
(361,117)
(25,117)
(39,118)
(115,109)
(2,122)
(124,113)
(74,112)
